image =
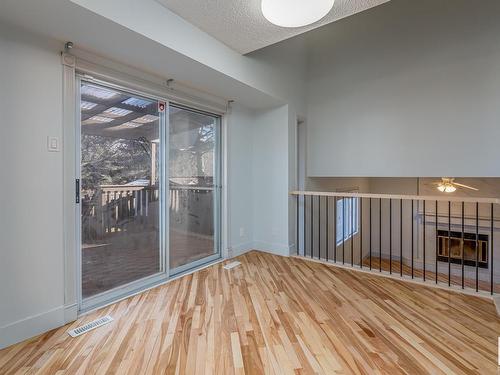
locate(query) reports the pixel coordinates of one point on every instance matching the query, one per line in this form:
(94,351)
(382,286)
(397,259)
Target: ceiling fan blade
(466,186)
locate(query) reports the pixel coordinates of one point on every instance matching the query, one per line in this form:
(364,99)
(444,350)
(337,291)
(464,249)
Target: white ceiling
(240,23)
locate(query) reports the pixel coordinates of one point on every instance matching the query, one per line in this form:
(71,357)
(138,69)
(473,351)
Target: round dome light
(295,13)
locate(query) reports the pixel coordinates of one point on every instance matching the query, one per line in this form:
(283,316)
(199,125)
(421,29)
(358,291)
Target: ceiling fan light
(295,13)
(446,188)
(450,189)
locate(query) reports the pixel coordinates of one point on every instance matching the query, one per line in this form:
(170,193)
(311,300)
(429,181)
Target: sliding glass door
(119,188)
(194,181)
(149,190)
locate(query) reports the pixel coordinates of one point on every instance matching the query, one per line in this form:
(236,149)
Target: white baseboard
(26,328)
(272,248)
(241,249)
(70,313)
(266,247)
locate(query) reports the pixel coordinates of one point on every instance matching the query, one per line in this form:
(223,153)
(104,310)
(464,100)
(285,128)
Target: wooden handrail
(399,196)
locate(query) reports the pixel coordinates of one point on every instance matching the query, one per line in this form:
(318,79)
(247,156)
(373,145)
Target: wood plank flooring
(430,274)
(275,315)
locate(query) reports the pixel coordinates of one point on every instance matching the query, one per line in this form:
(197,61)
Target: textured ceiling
(241,25)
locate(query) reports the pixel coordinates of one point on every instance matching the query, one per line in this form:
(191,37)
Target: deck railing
(113,209)
(445,240)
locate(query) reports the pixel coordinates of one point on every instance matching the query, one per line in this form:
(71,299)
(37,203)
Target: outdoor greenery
(112,161)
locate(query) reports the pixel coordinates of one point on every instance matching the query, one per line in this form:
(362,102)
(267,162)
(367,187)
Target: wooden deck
(107,266)
(276,315)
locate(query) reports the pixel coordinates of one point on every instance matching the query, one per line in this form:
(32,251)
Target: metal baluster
(401,237)
(437,240)
(312,226)
(477,246)
(297,228)
(412,237)
(335,229)
(370,242)
(492,223)
(390,236)
(327,228)
(462,245)
(319,227)
(424,222)
(380,236)
(305,227)
(449,243)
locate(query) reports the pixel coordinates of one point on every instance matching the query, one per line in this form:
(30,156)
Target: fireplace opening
(468,244)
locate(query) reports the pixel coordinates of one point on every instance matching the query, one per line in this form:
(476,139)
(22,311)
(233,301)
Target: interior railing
(445,240)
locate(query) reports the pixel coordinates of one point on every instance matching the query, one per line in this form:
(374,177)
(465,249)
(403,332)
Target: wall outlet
(242,232)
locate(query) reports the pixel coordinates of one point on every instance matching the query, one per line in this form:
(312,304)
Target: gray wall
(31,223)
(410,88)
(240,148)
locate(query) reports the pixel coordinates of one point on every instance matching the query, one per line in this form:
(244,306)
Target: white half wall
(410,88)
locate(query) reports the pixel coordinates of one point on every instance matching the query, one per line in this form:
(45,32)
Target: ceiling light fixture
(446,187)
(295,13)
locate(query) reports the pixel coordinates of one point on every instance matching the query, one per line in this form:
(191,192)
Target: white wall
(271,180)
(31,228)
(240,129)
(410,88)
(261,174)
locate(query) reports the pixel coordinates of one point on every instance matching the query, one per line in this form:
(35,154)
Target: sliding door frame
(74,70)
(218,195)
(127,289)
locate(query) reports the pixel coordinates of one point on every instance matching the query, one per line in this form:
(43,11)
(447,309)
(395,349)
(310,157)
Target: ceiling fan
(448,185)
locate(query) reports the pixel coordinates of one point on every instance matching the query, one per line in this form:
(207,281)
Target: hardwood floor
(275,315)
(430,274)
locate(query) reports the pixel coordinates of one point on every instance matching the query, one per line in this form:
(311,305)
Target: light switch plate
(53,144)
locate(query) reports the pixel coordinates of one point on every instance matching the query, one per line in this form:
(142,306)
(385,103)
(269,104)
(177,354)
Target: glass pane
(119,188)
(192,174)
(347,219)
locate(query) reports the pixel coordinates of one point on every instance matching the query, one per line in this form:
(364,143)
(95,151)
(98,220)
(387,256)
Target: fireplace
(468,243)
